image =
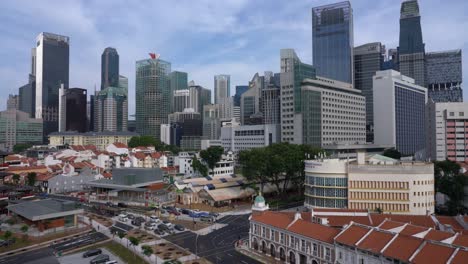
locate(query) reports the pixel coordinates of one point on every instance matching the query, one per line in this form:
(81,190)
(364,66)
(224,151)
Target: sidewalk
(209,229)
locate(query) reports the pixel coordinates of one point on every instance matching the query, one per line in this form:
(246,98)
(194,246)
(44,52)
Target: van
(100,259)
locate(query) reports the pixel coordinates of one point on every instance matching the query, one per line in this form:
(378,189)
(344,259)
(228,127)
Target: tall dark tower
(411,51)
(109,68)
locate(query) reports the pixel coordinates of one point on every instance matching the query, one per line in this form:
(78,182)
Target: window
(281,238)
(315,249)
(461,113)
(451,114)
(263,231)
(327,253)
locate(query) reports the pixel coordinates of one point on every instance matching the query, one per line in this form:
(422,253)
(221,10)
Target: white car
(155,219)
(150,226)
(123,217)
(168,224)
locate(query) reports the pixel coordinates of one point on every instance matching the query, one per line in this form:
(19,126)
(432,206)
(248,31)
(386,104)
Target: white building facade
(235,137)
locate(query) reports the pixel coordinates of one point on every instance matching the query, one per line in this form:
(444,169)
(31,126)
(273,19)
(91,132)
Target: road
(81,241)
(218,246)
(38,256)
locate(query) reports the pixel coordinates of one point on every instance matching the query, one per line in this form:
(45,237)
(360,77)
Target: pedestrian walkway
(209,229)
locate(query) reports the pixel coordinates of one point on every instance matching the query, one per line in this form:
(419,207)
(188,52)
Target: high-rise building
(293,72)
(368,59)
(199,97)
(91,113)
(333,41)
(226,108)
(333,113)
(446,136)
(399,112)
(222,87)
(111,110)
(27,96)
(240,89)
(179,80)
(411,52)
(123,82)
(236,138)
(72,110)
(153,95)
(13,102)
(271,100)
(52,70)
(181,100)
(444,76)
(109,68)
(250,101)
(211,122)
(17,127)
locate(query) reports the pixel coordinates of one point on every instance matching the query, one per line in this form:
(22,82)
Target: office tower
(446,138)
(199,97)
(27,97)
(293,72)
(226,108)
(399,112)
(179,80)
(368,59)
(13,102)
(333,41)
(72,110)
(236,113)
(250,101)
(211,122)
(240,89)
(333,113)
(187,129)
(391,62)
(181,100)
(52,69)
(91,113)
(111,109)
(222,87)
(444,76)
(123,82)
(17,127)
(109,68)
(153,94)
(165,134)
(33,61)
(411,49)
(270,100)
(236,138)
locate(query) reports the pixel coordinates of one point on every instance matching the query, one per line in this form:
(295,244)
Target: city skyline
(226,40)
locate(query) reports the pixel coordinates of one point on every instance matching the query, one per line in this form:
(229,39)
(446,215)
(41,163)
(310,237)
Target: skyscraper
(199,97)
(179,80)
(123,82)
(111,109)
(293,72)
(270,100)
(222,87)
(13,102)
(240,89)
(153,94)
(444,76)
(250,101)
(368,59)
(27,97)
(72,112)
(411,55)
(109,68)
(52,70)
(181,100)
(333,41)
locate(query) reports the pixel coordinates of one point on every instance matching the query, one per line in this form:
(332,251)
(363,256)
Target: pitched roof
(276,219)
(389,224)
(120,145)
(419,220)
(351,235)
(461,257)
(433,253)
(438,235)
(403,247)
(449,220)
(410,230)
(375,241)
(140,155)
(461,240)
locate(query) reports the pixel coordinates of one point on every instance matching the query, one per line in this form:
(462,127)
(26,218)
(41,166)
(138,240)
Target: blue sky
(201,37)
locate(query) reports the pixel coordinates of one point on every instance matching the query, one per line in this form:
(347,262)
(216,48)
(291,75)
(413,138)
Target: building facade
(99,139)
(27,97)
(332,113)
(72,109)
(153,96)
(199,97)
(240,89)
(444,76)
(368,59)
(293,72)
(181,100)
(399,112)
(51,70)
(411,52)
(111,110)
(13,102)
(236,138)
(446,131)
(222,87)
(17,127)
(333,41)
(109,68)
(211,122)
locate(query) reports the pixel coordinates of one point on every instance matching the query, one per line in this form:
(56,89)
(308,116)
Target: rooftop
(44,209)
(130,177)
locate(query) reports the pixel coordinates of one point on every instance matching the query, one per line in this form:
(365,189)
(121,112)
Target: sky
(201,37)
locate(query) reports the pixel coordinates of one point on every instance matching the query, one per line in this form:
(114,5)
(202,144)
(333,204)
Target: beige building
(99,139)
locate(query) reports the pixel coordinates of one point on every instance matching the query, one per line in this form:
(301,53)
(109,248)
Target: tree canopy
(211,156)
(31,178)
(18,148)
(199,167)
(449,181)
(149,141)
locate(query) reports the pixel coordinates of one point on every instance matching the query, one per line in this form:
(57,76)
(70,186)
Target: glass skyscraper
(109,68)
(222,87)
(240,89)
(153,95)
(411,50)
(444,76)
(52,70)
(333,41)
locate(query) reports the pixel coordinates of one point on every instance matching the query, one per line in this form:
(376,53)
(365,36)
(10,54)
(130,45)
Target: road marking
(229,254)
(244,262)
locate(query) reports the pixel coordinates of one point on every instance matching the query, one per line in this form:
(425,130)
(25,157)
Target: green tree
(134,241)
(449,181)
(211,156)
(144,141)
(253,164)
(25,229)
(392,153)
(199,167)
(121,235)
(19,148)
(147,250)
(16,178)
(31,178)
(7,234)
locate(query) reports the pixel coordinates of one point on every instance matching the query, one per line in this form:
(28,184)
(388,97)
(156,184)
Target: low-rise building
(99,139)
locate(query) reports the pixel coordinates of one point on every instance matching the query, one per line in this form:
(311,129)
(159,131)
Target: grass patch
(118,250)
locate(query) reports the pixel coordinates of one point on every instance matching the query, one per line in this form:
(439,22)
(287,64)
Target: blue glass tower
(333,41)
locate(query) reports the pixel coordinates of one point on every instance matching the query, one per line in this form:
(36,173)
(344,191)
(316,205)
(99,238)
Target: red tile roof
(26,168)
(450,220)
(375,241)
(419,220)
(389,224)
(340,221)
(461,257)
(120,145)
(276,219)
(461,240)
(44,176)
(433,253)
(140,155)
(438,235)
(411,230)
(156,155)
(313,230)
(403,247)
(352,234)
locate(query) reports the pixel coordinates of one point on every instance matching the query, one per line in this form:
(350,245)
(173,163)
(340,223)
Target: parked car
(167,223)
(179,228)
(6,243)
(206,219)
(214,214)
(140,218)
(122,205)
(136,222)
(185,211)
(123,217)
(100,259)
(110,204)
(131,216)
(164,228)
(173,211)
(111,262)
(150,226)
(159,232)
(92,252)
(154,219)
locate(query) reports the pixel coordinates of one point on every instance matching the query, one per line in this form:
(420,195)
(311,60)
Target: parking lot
(77,258)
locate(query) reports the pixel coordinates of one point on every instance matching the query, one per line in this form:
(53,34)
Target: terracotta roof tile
(419,220)
(411,230)
(351,235)
(26,168)
(119,145)
(340,221)
(438,235)
(315,231)
(389,224)
(461,240)
(461,257)
(375,241)
(140,155)
(402,247)
(276,219)
(450,220)
(434,254)
(156,155)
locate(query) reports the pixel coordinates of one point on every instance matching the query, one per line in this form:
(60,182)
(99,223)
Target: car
(103,258)
(110,204)
(131,216)
(163,211)
(165,206)
(122,205)
(206,219)
(154,219)
(167,223)
(136,222)
(185,211)
(140,218)
(164,228)
(111,262)
(173,211)
(159,232)
(123,217)
(150,226)
(6,243)
(92,252)
(214,214)
(179,228)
